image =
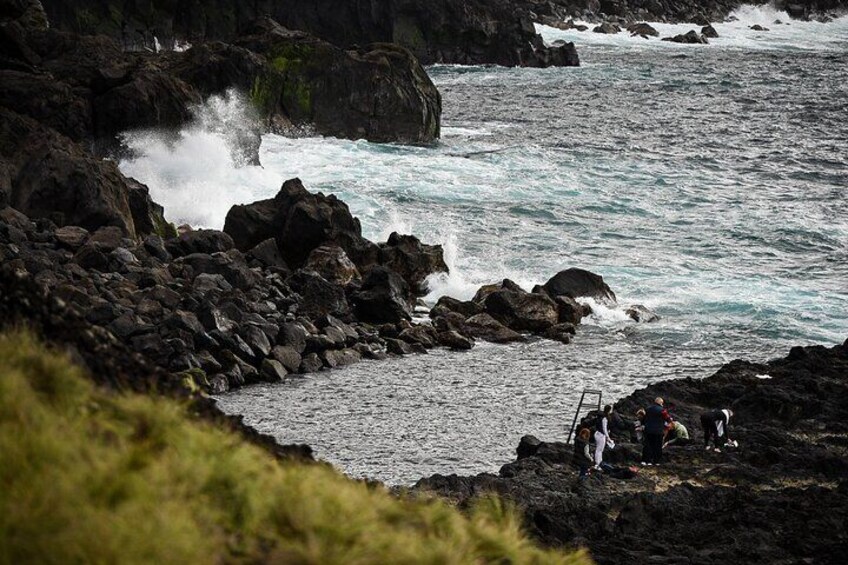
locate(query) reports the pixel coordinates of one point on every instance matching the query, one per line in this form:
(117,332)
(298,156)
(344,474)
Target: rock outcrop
(780,497)
(444,31)
(691,36)
(196,305)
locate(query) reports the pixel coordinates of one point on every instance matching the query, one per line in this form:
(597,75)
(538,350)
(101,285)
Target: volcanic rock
(382,298)
(642,29)
(577,283)
(411,259)
(709,31)
(331,262)
(690,36)
(607,27)
(485,327)
(521,311)
(447,304)
(318,296)
(640,313)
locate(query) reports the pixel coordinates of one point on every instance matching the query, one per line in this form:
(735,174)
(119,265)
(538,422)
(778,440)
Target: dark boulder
(608,28)
(758,27)
(522,311)
(331,262)
(287,356)
(267,254)
(560,332)
(272,371)
(486,290)
(311,363)
(639,313)
(413,260)
(447,304)
(199,241)
(318,296)
(382,298)
(53,177)
(300,221)
(454,340)
(569,311)
(709,31)
(690,36)
(642,30)
(577,283)
(485,327)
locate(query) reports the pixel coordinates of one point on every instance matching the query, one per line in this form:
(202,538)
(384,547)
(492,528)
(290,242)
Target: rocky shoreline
(781,497)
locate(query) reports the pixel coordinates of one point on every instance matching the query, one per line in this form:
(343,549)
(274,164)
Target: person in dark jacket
(715,424)
(656,418)
(582,457)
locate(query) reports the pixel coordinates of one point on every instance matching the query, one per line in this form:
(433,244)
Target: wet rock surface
(468,32)
(780,497)
(195,304)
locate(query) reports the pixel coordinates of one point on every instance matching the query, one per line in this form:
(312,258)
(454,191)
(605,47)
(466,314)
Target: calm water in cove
(709,183)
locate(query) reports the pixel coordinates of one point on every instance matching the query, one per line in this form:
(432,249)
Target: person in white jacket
(602,437)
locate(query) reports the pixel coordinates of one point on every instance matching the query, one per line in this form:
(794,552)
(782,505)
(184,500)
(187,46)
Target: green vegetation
(93,476)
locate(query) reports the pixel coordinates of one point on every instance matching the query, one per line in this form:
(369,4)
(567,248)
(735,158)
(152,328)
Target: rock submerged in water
(608,28)
(642,314)
(690,36)
(709,31)
(643,30)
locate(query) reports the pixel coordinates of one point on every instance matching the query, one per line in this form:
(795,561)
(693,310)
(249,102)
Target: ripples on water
(706,182)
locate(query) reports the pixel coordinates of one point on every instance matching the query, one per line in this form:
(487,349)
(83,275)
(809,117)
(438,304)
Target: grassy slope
(92,476)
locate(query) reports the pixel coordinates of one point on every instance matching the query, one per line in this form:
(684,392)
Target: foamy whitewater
(708,182)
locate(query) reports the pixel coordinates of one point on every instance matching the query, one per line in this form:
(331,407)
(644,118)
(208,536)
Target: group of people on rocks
(654,427)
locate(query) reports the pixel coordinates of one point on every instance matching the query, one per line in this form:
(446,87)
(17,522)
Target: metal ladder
(579,408)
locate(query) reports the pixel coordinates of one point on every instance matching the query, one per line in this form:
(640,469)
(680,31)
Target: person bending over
(677,434)
(716,424)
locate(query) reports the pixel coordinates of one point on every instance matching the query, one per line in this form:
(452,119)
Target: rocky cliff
(442,31)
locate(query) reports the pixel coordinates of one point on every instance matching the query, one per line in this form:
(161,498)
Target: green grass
(93,476)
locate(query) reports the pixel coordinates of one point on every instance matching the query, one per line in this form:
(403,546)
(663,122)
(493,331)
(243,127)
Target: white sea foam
(194,173)
(788,35)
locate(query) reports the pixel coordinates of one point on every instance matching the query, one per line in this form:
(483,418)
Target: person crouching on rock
(602,437)
(676,434)
(582,457)
(655,420)
(715,424)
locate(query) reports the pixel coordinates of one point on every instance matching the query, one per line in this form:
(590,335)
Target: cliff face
(440,31)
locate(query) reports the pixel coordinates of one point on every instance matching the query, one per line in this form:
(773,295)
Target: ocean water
(708,182)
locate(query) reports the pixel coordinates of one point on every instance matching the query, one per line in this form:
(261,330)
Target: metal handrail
(580,407)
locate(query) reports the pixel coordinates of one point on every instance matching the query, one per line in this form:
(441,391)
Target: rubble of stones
(196,303)
(289,286)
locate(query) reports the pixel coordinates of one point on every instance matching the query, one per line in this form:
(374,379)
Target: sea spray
(199,172)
